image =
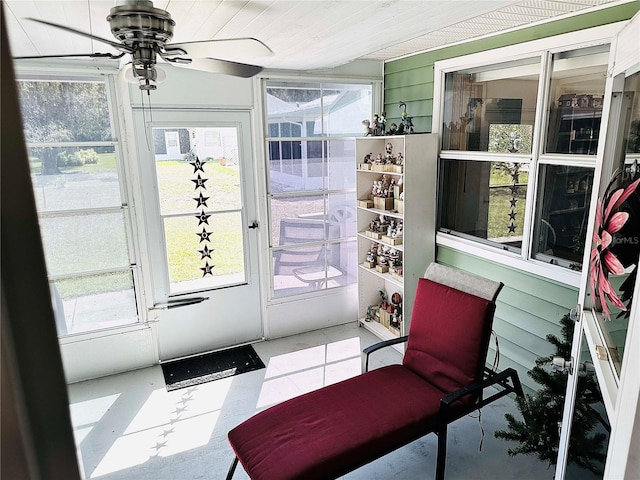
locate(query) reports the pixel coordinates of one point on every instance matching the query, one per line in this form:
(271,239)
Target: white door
(201,228)
(602,391)
(172,144)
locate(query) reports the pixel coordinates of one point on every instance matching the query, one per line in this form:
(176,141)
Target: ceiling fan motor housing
(144,28)
(139,21)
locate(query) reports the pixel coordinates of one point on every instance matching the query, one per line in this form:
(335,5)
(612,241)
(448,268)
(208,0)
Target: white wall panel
(186,88)
(336,307)
(99,356)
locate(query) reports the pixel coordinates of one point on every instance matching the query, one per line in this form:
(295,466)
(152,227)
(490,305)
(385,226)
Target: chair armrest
(377,346)
(500,379)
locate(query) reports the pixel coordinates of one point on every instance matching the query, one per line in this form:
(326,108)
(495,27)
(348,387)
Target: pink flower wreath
(609,220)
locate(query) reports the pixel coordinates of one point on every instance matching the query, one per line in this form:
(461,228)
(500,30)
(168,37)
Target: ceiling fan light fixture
(134,75)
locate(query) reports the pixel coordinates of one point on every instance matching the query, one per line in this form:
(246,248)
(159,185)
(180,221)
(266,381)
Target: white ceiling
(304,34)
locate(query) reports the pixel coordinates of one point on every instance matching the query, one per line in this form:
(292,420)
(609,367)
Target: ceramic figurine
(407,121)
(367,128)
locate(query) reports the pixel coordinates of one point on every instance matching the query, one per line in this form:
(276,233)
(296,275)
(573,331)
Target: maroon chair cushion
(331,431)
(448,336)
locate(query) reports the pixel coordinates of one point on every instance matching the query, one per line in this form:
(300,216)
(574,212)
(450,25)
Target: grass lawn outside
(179,206)
(500,209)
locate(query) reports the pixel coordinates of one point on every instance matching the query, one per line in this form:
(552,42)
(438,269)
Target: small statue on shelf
(394,260)
(369,316)
(382,187)
(384,302)
(407,121)
(397,232)
(371,253)
(391,228)
(375,127)
(389,149)
(382,122)
(367,128)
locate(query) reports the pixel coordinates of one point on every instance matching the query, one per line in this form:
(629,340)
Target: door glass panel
(200,197)
(207,255)
(576,98)
(590,428)
(616,248)
(562,214)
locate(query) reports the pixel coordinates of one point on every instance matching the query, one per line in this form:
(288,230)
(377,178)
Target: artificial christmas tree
(539,431)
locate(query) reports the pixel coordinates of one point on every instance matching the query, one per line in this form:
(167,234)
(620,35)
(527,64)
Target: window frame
(544,48)
(325,191)
(105,74)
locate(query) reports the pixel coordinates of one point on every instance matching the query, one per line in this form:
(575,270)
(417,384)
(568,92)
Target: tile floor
(128,427)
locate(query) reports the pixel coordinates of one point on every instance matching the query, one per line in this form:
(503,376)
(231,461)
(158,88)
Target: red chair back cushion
(448,336)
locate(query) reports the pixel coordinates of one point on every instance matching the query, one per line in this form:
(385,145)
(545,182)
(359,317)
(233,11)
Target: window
(566,169)
(312,199)
(575,100)
(201,203)
(79,194)
(491,166)
(490,200)
(491,111)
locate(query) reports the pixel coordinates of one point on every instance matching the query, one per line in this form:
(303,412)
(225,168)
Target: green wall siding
(410,79)
(528,308)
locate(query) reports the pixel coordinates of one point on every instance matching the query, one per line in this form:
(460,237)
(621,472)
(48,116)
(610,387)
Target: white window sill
(554,273)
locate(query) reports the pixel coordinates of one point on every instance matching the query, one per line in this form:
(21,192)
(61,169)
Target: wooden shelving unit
(418,212)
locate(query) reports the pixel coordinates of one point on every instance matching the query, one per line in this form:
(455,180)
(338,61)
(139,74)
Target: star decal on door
(198,165)
(202,200)
(200,182)
(204,235)
(202,218)
(207,269)
(205,252)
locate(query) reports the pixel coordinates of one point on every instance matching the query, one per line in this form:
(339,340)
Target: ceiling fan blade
(116,45)
(215,65)
(230,47)
(72,55)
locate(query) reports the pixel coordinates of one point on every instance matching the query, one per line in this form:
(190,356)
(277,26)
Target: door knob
(254,224)
(562,365)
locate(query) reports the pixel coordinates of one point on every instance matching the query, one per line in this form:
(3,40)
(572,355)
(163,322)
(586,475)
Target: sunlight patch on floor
(85,414)
(292,374)
(168,423)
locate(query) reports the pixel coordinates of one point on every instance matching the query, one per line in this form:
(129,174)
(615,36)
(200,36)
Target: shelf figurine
(406,126)
(367,128)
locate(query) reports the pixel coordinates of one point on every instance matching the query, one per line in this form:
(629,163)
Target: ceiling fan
(144,31)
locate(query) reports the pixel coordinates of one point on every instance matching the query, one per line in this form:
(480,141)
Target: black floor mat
(211,366)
